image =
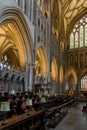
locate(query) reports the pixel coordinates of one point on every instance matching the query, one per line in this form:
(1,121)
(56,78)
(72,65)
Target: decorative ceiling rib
(72,9)
(6,40)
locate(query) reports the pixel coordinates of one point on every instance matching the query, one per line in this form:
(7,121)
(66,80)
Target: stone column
(49,41)
(32,10)
(27,77)
(78,85)
(29,10)
(59,44)
(31,78)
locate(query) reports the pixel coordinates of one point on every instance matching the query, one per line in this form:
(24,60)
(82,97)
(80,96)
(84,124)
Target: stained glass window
(81,36)
(76,40)
(84,82)
(86,35)
(72,40)
(78,36)
(4,62)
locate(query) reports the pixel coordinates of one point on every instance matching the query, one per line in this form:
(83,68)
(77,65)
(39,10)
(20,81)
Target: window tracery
(84,82)
(78,36)
(4,62)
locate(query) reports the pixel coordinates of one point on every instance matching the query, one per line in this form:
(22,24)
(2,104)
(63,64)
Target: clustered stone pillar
(78,87)
(26,77)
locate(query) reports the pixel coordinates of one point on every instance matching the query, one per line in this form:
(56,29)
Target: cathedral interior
(43,61)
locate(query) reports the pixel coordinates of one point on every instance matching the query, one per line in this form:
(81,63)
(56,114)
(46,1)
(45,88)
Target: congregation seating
(22,115)
(31,120)
(55,108)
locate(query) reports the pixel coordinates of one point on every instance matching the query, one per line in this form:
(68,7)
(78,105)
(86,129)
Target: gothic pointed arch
(61,74)
(71,79)
(41,62)
(69,72)
(15,35)
(54,70)
(71,12)
(84,71)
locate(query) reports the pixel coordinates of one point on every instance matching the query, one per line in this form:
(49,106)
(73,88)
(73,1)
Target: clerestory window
(78,36)
(84,83)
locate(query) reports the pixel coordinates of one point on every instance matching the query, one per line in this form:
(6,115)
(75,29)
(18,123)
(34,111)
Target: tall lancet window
(71,41)
(78,35)
(81,36)
(86,34)
(76,40)
(84,83)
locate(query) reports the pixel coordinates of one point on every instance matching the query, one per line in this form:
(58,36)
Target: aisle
(75,120)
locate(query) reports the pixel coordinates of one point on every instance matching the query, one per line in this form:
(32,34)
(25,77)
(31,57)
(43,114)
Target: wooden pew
(55,109)
(31,120)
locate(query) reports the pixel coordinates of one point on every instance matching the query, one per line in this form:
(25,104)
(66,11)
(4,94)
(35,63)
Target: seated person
(29,104)
(19,109)
(23,105)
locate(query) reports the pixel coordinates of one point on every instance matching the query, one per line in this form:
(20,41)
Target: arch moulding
(69,72)
(12,14)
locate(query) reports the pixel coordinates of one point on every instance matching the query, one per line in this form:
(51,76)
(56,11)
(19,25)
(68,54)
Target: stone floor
(74,120)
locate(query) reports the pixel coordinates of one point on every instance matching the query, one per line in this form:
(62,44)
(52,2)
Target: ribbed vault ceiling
(10,44)
(6,40)
(72,10)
